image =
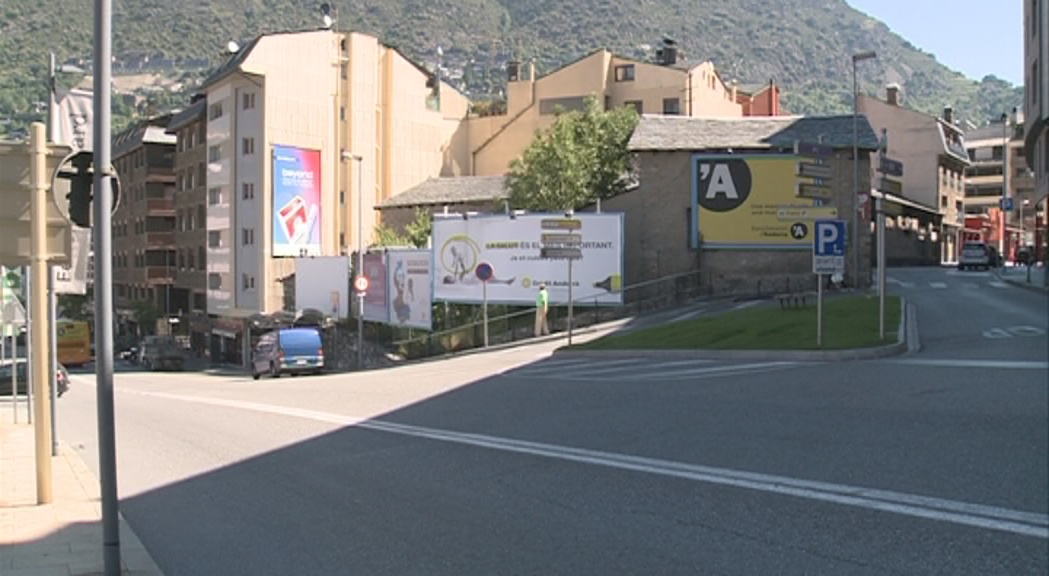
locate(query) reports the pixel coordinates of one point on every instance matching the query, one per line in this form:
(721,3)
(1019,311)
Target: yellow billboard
(752,201)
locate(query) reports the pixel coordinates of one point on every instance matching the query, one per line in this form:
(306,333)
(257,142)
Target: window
(247,236)
(215,239)
(189,180)
(189,220)
(624,73)
(1036,98)
(215,111)
(202,216)
(202,171)
(248,101)
(342,113)
(342,197)
(672,106)
(181,260)
(342,239)
(189,260)
(200,257)
(996,153)
(247,146)
(247,281)
(214,281)
(189,138)
(214,154)
(201,135)
(637,104)
(247,190)
(214,196)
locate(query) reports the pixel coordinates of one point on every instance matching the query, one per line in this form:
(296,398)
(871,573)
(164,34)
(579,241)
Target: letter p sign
(829,238)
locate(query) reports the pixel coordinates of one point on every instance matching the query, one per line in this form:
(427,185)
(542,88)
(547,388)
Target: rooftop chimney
(892,94)
(948,114)
(513,71)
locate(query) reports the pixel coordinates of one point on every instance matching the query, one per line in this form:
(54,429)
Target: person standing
(542,306)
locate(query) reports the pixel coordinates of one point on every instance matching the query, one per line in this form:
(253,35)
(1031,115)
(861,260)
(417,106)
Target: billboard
(296,201)
(751,201)
(323,283)
(408,288)
(376,307)
(512,247)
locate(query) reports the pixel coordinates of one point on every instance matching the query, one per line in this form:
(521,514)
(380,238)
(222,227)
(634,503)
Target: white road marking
(746,305)
(656,373)
(930,508)
(560,367)
(998,284)
(956,363)
(938,285)
(686,316)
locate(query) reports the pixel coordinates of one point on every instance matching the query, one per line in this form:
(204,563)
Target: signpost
(563,244)
(828,257)
(484,273)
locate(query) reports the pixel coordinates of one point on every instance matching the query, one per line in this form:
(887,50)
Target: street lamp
(346,155)
(859,57)
(1005,185)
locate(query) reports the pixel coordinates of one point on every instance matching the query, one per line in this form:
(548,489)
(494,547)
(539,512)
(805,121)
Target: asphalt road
(515,462)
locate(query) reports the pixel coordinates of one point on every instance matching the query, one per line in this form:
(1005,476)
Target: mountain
(805,45)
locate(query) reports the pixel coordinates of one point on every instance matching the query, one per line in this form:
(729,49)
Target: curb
(1022,284)
(906,341)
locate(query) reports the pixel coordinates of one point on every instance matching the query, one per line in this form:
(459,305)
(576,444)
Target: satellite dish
(232,47)
(327,21)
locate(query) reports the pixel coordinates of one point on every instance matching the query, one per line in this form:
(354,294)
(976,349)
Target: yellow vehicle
(73,344)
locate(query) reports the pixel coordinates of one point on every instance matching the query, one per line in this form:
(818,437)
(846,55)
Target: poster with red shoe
(296,201)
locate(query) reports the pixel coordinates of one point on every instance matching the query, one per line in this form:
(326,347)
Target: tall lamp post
(859,57)
(1005,185)
(346,155)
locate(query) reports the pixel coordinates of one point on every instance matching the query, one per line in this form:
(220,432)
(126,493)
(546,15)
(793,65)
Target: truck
(161,353)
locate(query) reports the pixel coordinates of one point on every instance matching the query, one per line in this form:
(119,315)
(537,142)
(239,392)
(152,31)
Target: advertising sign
(296,201)
(323,283)
(409,288)
(751,201)
(376,308)
(512,246)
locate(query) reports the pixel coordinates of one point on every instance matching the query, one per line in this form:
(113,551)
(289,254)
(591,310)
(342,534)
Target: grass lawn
(849,322)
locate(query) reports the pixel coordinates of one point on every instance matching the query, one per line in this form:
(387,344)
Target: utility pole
(40,334)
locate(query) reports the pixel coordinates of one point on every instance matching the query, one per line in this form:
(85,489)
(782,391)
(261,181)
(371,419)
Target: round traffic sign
(484,271)
(361,283)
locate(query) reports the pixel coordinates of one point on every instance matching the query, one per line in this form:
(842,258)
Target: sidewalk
(63,538)
(1017,275)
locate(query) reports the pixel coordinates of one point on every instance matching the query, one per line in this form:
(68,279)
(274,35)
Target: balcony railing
(160,204)
(159,239)
(159,273)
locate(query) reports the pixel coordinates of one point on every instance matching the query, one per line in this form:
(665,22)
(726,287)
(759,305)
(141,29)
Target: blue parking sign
(828,247)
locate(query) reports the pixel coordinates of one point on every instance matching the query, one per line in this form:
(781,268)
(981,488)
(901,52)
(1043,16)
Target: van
(288,351)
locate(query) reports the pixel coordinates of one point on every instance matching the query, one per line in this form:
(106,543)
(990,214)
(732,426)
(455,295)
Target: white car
(975,255)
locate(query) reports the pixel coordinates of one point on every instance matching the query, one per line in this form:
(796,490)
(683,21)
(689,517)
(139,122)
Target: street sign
(561,253)
(1006,204)
(16,189)
(805,190)
(806,213)
(561,224)
(890,167)
(484,271)
(828,247)
(361,284)
(890,186)
(812,150)
(561,239)
(13,313)
(810,170)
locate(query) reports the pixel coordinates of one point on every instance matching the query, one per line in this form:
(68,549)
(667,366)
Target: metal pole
(52,312)
(819,310)
(1005,187)
(881,268)
(37,295)
(30,350)
(360,261)
(484,296)
(570,301)
(102,233)
(855,180)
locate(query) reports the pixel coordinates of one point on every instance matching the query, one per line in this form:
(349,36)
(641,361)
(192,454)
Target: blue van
(288,350)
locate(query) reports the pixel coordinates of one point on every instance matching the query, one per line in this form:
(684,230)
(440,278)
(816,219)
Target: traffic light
(74,197)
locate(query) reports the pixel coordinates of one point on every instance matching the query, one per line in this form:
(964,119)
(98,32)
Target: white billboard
(512,247)
(408,288)
(323,283)
(376,304)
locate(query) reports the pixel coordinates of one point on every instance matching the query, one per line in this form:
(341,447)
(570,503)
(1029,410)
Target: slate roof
(450,190)
(666,133)
(229,66)
(184,117)
(149,131)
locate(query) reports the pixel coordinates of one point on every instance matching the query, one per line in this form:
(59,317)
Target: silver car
(975,255)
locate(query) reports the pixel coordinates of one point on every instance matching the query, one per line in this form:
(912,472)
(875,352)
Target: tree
(581,158)
(146,314)
(416,233)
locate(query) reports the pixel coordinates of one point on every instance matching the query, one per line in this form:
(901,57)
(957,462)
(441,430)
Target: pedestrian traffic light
(73,188)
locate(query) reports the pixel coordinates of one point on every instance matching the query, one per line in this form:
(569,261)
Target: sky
(946,29)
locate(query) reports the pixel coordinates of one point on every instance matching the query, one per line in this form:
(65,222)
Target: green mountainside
(805,45)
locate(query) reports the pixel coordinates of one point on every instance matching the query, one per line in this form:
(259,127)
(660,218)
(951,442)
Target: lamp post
(1005,185)
(859,57)
(346,155)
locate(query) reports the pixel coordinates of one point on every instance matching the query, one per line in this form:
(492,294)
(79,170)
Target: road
(516,462)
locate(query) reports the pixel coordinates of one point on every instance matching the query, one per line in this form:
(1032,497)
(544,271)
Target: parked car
(288,350)
(161,353)
(61,378)
(975,255)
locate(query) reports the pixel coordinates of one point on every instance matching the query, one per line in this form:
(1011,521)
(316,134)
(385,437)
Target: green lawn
(849,322)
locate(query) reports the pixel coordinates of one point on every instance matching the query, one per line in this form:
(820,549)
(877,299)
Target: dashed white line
(960,363)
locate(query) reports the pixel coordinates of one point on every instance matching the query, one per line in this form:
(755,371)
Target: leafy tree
(416,233)
(76,306)
(581,158)
(146,314)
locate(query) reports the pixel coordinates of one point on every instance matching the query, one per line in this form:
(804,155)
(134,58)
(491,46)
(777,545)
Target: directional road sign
(561,224)
(561,253)
(561,239)
(890,167)
(813,150)
(805,190)
(890,186)
(828,247)
(811,170)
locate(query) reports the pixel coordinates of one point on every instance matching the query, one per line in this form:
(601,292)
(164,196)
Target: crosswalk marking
(638,368)
(997,284)
(938,285)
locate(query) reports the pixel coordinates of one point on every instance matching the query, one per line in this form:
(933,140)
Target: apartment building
(1036,112)
(144,223)
(999,170)
(189,288)
(666,86)
(934,156)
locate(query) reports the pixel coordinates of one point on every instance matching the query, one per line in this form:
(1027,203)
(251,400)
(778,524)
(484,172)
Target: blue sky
(946,29)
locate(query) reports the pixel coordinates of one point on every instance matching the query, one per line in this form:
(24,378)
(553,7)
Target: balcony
(154,205)
(159,239)
(159,274)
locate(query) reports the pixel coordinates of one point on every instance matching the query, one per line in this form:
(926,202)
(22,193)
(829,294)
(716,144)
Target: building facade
(934,156)
(144,225)
(1036,112)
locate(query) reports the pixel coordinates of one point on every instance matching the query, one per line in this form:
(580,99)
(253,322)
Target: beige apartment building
(1036,113)
(934,157)
(666,86)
